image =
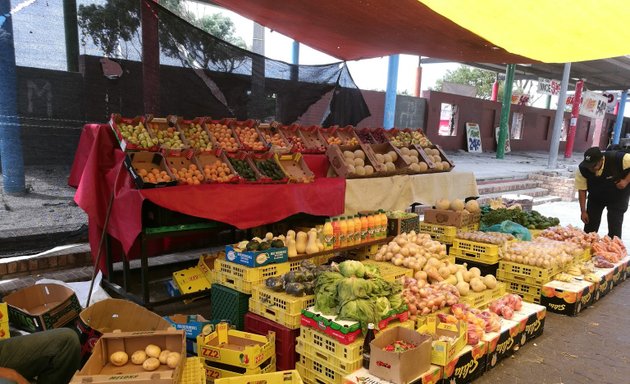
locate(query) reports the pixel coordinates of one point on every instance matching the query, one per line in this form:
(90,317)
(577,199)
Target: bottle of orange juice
(336,233)
(328,233)
(383,224)
(364,229)
(357,229)
(371,227)
(350,234)
(343,232)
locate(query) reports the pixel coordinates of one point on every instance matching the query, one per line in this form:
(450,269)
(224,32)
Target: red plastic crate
(286,356)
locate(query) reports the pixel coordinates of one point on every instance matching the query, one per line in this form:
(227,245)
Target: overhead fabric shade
(492,31)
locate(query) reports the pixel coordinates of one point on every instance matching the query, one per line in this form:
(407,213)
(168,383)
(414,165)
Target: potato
(172,360)
(358,162)
(359,154)
(151,364)
(490,281)
(163,356)
(153,350)
(119,358)
(477,285)
(138,357)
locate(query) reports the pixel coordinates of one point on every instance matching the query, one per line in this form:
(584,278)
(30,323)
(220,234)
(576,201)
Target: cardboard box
(42,306)
(362,376)
(98,369)
(501,344)
(619,273)
(452,218)
(468,365)
(256,258)
(444,351)
(566,298)
(114,314)
(146,160)
(193,326)
(338,163)
(531,317)
(403,367)
(605,284)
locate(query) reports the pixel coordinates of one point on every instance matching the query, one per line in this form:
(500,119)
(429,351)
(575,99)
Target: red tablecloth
(98,167)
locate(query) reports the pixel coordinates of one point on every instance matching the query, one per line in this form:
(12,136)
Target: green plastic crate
(228,304)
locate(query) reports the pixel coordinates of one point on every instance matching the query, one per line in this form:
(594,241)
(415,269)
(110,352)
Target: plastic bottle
(328,233)
(343,232)
(357,229)
(366,345)
(364,229)
(383,225)
(350,234)
(336,233)
(371,226)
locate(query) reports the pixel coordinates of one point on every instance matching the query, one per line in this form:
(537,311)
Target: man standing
(602,182)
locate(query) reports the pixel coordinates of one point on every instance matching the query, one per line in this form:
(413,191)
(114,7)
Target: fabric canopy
(492,31)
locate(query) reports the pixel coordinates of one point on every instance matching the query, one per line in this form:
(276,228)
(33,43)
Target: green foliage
(478,78)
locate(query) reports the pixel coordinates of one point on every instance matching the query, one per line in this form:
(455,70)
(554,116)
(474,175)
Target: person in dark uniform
(602,182)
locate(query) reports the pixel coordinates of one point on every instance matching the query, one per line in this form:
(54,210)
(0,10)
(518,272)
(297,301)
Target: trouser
(51,356)
(616,210)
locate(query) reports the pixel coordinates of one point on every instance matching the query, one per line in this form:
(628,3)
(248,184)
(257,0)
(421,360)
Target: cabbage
(382,307)
(326,292)
(395,301)
(350,268)
(371,271)
(361,310)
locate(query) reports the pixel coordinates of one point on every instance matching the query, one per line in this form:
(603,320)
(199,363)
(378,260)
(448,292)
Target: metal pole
(505,110)
(295,60)
(557,123)
(418,85)
(10,140)
(575,112)
(72,35)
(389,116)
(619,121)
(548,102)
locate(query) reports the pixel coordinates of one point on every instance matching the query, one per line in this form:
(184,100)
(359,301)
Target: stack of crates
(280,307)
(228,304)
(481,255)
(286,339)
(525,280)
(445,234)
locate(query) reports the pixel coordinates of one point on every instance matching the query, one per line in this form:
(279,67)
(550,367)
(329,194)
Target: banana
(575,271)
(563,277)
(591,277)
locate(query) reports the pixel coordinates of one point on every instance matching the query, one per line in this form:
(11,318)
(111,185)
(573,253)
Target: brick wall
(561,185)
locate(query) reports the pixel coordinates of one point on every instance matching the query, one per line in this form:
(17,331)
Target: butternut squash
(290,233)
(291,250)
(300,242)
(311,245)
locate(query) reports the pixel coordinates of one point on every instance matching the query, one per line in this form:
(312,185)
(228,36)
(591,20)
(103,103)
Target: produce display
(190,175)
(153,175)
(412,157)
(365,136)
(137,135)
(602,262)
(387,160)
(150,358)
(436,157)
(243,169)
(458,205)
(405,139)
(479,322)
(399,346)
(357,163)
(496,238)
(249,138)
(427,299)
(269,168)
(303,242)
(379,136)
(355,291)
(612,250)
(542,252)
(571,234)
(296,143)
(224,137)
(197,136)
(506,305)
(218,171)
(299,282)
(168,138)
(531,220)
(273,137)
(258,244)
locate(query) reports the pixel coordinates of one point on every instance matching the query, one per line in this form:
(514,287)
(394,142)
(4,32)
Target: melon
(423,167)
(457,205)
(368,169)
(380,158)
(390,166)
(413,152)
(446,165)
(348,154)
(404,150)
(415,167)
(359,154)
(472,206)
(442,204)
(358,162)
(393,155)
(387,158)
(359,170)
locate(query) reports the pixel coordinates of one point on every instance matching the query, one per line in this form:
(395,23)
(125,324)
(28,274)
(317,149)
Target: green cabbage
(371,271)
(353,288)
(395,301)
(361,310)
(383,307)
(350,268)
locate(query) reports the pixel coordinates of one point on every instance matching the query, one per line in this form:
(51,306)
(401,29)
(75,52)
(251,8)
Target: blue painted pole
(389,115)
(10,140)
(619,121)
(295,53)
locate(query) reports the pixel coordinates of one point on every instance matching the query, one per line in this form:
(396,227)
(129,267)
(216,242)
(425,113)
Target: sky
(370,74)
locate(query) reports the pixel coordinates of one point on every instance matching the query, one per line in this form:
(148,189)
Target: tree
(480,79)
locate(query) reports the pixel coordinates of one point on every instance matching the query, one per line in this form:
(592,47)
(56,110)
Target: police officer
(602,182)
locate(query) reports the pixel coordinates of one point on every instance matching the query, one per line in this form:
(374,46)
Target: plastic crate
(289,304)
(486,269)
(325,344)
(530,298)
(275,314)
(442,233)
(285,338)
(343,366)
(228,304)
(216,371)
(482,248)
(252,351)
(473,256)
(479,299)
(320,371)
(308,377)
(542,275)
(243,278)
(389,271)
(193,372)
(317,260)
(191,280)
(525,289)
(516,278)
(282,377)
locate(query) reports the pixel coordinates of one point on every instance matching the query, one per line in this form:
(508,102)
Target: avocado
(277,243)
(253,246)
(264,246)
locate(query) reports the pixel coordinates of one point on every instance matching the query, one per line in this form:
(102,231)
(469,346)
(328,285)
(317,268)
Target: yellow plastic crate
(477,257)
(339,365)
(540,274)
(473,246)
(309,377)
(248,274)
(211,347)
(330,346)
(236,284)
(530,298)
(479,299)
(319,371)
(281,301)
(389,271)
(522,279)
(525,289)
(191,280)
(280,377)
(194,372)
(275,314)
(317,260)
(214,373)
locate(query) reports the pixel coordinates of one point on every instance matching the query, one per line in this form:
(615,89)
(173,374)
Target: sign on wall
(593,105)
(611,100)
(474,137)
(548,86)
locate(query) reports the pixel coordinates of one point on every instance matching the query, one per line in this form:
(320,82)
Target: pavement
(591,347)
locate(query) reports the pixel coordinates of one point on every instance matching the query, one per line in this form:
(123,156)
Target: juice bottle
(371,224)
(364,229)
(343,232)
(328,233)
(383,225)
(357,229)
(336,233)
(350,234)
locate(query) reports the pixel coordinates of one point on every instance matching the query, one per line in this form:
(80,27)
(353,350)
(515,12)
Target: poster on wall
(593,105)
(473,135)
(507,139)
